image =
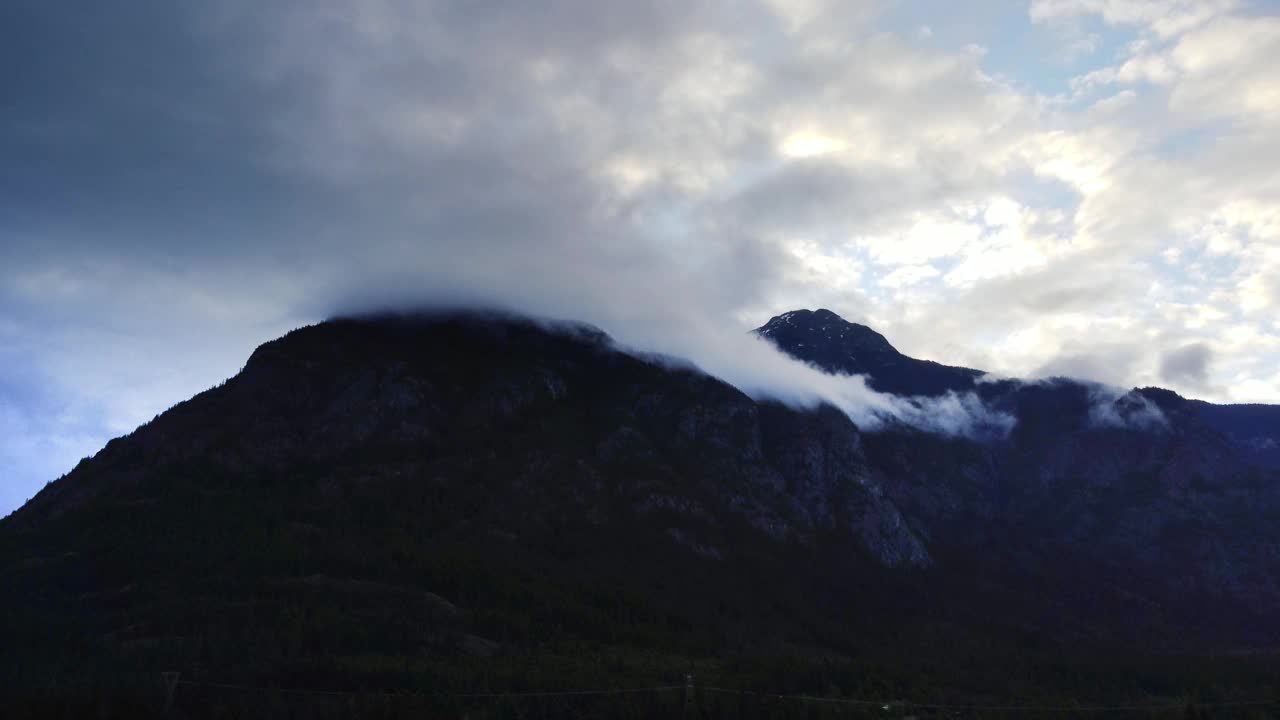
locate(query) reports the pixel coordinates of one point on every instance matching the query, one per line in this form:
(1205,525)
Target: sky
(1055,187)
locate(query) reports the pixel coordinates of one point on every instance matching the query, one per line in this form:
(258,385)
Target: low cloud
(1111,364)
(1110,407)
(759,369)
(1187,366)
(961,414)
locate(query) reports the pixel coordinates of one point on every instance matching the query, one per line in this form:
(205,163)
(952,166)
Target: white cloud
(1163,18)
(907,275)
(926,238)
(804,144)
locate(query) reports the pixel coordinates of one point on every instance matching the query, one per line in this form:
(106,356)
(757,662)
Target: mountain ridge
(837,346)
(825,340)
(360,477)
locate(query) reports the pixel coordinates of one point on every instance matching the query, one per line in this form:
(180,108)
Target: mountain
(826,340)
(553,416)
(1255,429)
(1169,498)
(483,503)
(438,490)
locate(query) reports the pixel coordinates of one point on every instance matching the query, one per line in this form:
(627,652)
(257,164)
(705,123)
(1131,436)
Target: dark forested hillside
(1142,495)
(470,503)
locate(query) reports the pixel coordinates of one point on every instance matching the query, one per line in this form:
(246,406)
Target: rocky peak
(823,326)
(824,339)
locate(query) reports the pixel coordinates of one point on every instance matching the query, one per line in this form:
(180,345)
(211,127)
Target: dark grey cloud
(1187,366)
(370,151)
(1112,363)
(830,192)
(129,119)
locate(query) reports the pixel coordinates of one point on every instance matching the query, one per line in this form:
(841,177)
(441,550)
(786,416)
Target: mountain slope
(443,486)
(827,341)
(462,500)
(832,344)
(428,395)
(1255,429)
(1140,486)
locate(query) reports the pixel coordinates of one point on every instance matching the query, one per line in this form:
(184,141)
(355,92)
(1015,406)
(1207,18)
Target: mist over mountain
(829,342)
(457,494)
